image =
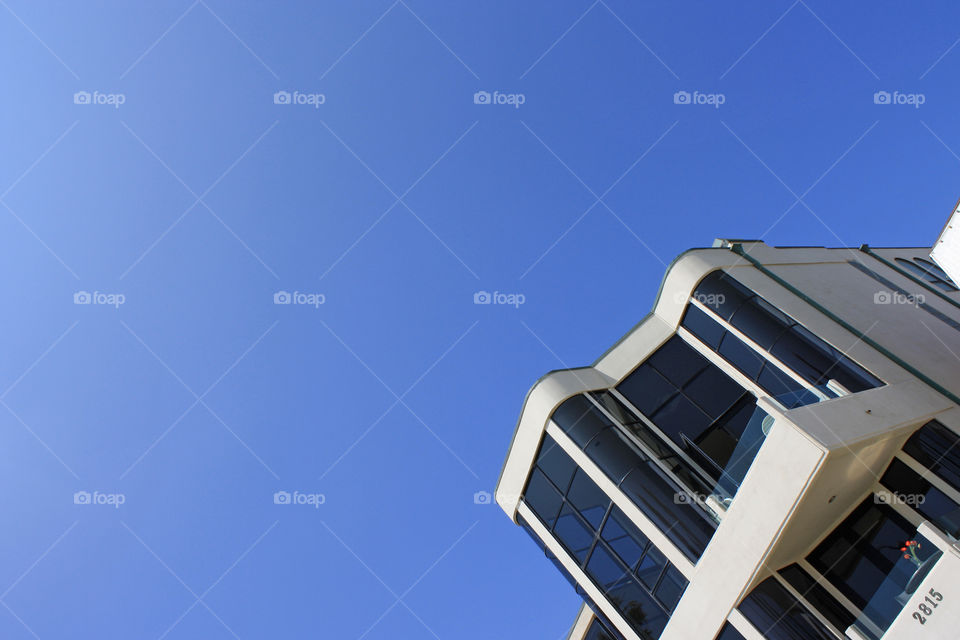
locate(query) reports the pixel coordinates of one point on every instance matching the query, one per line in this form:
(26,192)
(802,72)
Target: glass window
(934,268)
(814,593)
(613,454)
(639,608)
(859,554)
(737,353)
(543,498)
(713,391)
(680,417)
(937,448)
(605,569)
(934,505)
(588,499)
(722,293)
(671,587)
(624,538)
(661,501)
(651,567)
(646,389)
(580,419)
(556,464)
(729,632)
(928,271)
(703,326)
(678,361)
(777,615)
(599,631)
(761,321)
(573,534)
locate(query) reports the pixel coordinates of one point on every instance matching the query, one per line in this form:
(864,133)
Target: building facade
(773,452)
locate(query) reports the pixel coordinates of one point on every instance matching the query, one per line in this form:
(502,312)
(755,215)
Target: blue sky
(181,193)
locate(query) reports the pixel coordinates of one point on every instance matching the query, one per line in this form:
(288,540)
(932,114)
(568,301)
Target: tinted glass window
(671,587)
(814,593)
(703,326)
(573,534)
(627,542)
(651,567)
(598,631)
(759,320)
(937,448)
(589,500)
(737,353)
(863,550)
(777,615)
(729,632)
(613,454)
(556,464)
(580,419)
(639,609)
(543,498)
(646,389)
(678,361)
(723,294)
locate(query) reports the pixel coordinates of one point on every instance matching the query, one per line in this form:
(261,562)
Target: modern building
(773,452)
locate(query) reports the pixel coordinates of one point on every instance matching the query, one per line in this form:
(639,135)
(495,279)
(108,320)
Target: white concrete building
(773,452)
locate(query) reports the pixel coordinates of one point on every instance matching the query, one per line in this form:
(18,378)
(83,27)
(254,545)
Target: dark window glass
(613,454)
(556,464)
(651,567)
(690,528)
(589,500)
(678,361)
(671,587)
(681,417)
(646,389)
(777,615)
(937,448)
(930,502)
(599,631)
(703,326)
(863,550)
(580,419)
(639,608)
(934,268)
(605,569)
(814,593)
(624,538)
(573,534)
(761,321)
(778,383)
(543,498)
(713,391)
(729,632)
(737,353)
(724,292)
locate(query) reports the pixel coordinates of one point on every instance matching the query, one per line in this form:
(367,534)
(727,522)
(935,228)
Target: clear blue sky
(198,198)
